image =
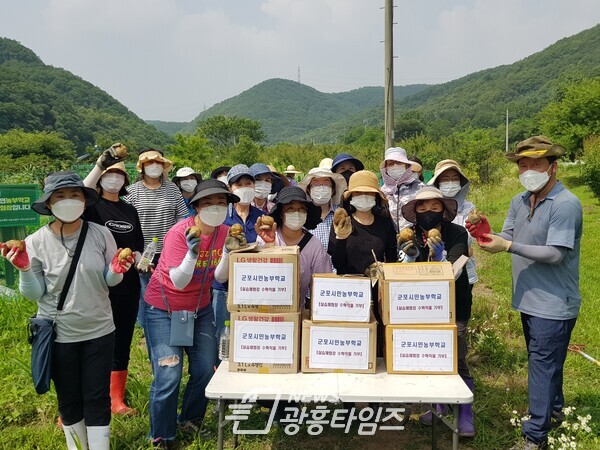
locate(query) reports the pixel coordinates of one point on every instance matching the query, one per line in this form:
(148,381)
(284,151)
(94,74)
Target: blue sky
(169,59)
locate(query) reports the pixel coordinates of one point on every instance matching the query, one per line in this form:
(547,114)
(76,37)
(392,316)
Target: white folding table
(379,387)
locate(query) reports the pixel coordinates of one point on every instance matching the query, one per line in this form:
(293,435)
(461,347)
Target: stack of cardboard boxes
(263,300)
(417,302)
(342,335)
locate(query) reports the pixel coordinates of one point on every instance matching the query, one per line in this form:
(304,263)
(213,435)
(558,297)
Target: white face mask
(295,220)
(534,181)
(271,197)
(396,171)
(450,188)
(188,185)
(320,194)
(363,202)
(68,210)
(262,189)
(214,215)
(223,179)
(154,170)
(112,182)
(246,195)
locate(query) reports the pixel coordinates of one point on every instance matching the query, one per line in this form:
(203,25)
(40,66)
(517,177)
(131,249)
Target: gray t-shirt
(549,291)
(86,313)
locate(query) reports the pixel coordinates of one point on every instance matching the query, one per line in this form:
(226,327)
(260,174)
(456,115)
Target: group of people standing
(340,215)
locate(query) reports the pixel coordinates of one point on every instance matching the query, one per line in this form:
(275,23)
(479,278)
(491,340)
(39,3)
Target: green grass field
(497,358)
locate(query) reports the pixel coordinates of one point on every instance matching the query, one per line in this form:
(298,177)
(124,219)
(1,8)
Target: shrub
(591,155)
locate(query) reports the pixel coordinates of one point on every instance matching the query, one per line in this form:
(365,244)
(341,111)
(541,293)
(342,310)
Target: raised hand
(342,225)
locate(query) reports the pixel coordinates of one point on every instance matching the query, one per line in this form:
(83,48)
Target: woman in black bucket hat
(82,350)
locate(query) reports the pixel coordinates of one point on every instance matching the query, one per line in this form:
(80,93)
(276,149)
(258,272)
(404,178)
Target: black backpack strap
(74,261)
(304,240)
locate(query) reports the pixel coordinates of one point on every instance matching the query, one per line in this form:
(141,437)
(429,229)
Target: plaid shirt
(322,230)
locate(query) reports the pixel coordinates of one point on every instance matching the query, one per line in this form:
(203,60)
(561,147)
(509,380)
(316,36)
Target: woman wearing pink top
(179,293)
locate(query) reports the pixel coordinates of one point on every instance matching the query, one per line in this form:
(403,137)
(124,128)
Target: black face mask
(347,174)
(429,219)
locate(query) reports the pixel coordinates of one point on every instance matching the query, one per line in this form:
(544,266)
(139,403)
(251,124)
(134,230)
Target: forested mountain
(38,97)
(288,109)
(480,100)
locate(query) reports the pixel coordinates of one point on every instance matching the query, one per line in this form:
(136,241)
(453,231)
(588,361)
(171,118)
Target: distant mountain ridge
(293,112)
(288,109)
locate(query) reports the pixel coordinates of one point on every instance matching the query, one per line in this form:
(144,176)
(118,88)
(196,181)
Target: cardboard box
(417,293)
(336,298)
(264,280)
(421,349)
(264,343)
(339,347)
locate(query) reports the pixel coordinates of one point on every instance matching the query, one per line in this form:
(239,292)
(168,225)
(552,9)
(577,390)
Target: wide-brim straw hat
(61,180)
(118,167)
(154,155)
(211,187)
(429,193)
(364,181)
(536,147)
(338,180)
(399,154)
(293,193)
(291,169)
(444,165)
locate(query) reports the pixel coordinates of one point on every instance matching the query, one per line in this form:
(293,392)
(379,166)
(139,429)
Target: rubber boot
(466,423)
(99,438)
(76,436)
(118,380)
(427,418)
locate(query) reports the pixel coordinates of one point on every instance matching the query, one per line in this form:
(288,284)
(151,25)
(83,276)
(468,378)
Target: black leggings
(125,310)
(81,375)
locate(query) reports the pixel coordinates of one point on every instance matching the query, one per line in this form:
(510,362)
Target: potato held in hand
(235,230)
(119,150)
(194,232)
(479,226)
(125,254)
(406,234)
(15,243)
(265,222)
(434,233)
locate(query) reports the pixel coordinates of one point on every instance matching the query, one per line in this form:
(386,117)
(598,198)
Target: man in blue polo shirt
(542,232)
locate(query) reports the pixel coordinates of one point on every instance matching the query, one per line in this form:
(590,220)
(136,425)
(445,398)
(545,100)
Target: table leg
(434,420)
(455,426)
(235,436)
(221,402)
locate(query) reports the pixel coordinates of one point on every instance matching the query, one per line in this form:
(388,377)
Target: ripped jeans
(167,364)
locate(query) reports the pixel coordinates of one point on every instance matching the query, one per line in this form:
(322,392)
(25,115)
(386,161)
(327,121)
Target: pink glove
(16,255)
(121,265)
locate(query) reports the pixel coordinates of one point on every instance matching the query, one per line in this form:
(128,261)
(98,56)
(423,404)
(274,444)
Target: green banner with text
(15,205)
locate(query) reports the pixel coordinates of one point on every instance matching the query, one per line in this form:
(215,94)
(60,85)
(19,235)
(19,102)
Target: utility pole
(298,74)
(506,143)
(389,74)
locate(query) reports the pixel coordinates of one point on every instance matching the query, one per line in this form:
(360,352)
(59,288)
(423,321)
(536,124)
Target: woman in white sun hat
(324,188)
(400,183)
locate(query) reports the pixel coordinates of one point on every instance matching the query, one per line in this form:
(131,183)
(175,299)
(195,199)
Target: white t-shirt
(86,313)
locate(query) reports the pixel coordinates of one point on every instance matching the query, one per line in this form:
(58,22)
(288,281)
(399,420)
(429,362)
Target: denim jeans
(547,341)
(219,304)
(167,365)
(144,280)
